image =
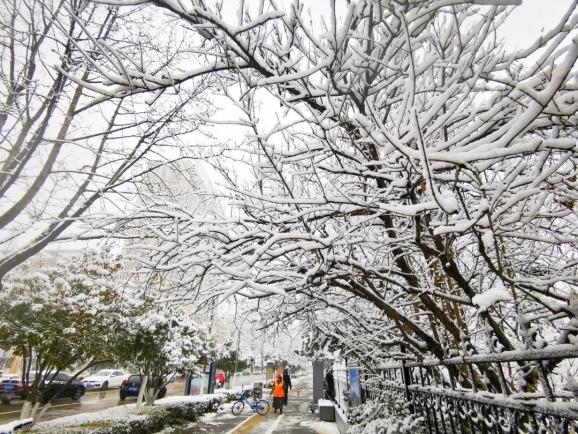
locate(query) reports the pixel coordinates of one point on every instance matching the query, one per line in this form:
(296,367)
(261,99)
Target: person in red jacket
(278,393)
(221,378)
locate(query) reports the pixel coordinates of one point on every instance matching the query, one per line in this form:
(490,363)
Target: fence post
(406,376)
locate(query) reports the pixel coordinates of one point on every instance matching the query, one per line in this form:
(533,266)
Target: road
(97,400)
(91,401)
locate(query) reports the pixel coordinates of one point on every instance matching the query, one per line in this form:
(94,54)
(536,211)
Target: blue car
(131,387)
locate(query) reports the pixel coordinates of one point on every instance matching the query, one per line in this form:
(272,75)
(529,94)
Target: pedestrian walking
(278,393)
(287,384)
(221,378)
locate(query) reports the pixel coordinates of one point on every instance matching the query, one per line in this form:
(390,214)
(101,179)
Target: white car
(104,379)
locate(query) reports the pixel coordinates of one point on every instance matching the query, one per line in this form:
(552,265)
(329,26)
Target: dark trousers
(278,403)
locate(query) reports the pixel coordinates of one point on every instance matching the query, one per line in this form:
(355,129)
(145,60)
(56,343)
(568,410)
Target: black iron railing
(509,392)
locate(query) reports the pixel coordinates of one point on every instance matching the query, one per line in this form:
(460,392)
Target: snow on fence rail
(565,351)
(510,392)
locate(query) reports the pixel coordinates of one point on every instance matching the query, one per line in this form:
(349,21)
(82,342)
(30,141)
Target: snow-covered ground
(320,427)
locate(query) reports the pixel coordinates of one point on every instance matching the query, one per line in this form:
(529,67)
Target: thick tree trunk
(142,391)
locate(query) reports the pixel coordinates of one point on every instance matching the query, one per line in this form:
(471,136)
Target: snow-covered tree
(160,342)
(414,170)
(61,318)
(67,155)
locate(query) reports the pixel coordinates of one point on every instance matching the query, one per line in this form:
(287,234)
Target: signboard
(354,387)
(196,385)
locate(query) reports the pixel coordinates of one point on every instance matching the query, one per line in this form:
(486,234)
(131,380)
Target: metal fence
(341,385)
(509,392)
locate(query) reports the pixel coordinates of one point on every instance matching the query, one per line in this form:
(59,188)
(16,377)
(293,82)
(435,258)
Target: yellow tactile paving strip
(249,424)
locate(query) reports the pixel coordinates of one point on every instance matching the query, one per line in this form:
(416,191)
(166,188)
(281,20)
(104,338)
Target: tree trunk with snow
(143,390)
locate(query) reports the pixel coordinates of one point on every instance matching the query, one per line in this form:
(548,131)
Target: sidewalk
(296,418)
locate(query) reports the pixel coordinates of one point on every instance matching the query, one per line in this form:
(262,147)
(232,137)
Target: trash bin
(326,410)
(257,389)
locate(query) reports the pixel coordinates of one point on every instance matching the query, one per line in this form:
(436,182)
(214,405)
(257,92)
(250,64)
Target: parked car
(60,386)
(54,385)
(104,379)
(9,377)
(11,387)
(131,387)
(6,377)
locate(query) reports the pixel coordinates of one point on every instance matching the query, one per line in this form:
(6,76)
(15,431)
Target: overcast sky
(527,21)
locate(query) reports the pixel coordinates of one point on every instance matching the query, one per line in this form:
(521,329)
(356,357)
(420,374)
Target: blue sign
(354,386)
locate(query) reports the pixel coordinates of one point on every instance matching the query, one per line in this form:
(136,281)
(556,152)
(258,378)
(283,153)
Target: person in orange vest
(278,393)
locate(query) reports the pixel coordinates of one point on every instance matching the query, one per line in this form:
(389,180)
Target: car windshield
(61,376)
(104,372)
(134,379)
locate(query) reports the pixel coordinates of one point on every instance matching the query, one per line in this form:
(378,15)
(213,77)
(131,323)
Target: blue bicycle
(260,406)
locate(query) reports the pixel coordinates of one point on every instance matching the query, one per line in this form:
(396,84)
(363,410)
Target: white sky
(528,20)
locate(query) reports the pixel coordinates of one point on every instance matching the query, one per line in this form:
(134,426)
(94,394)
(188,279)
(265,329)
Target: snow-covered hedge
(384,416)
(126,419)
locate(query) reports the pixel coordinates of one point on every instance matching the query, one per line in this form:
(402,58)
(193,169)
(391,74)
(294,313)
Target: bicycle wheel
(237,408)
(262,407)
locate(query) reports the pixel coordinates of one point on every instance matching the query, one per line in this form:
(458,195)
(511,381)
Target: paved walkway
(296,418)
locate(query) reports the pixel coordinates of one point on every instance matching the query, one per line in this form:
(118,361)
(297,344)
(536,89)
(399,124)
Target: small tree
(58,318)
(161,342)
(232,363)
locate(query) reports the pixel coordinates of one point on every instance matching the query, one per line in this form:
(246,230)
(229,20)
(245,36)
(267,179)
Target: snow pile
(448,202)
(9,428)
(181,400)
(487,299)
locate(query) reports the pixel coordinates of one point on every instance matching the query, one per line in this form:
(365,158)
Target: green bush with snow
(127,419)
